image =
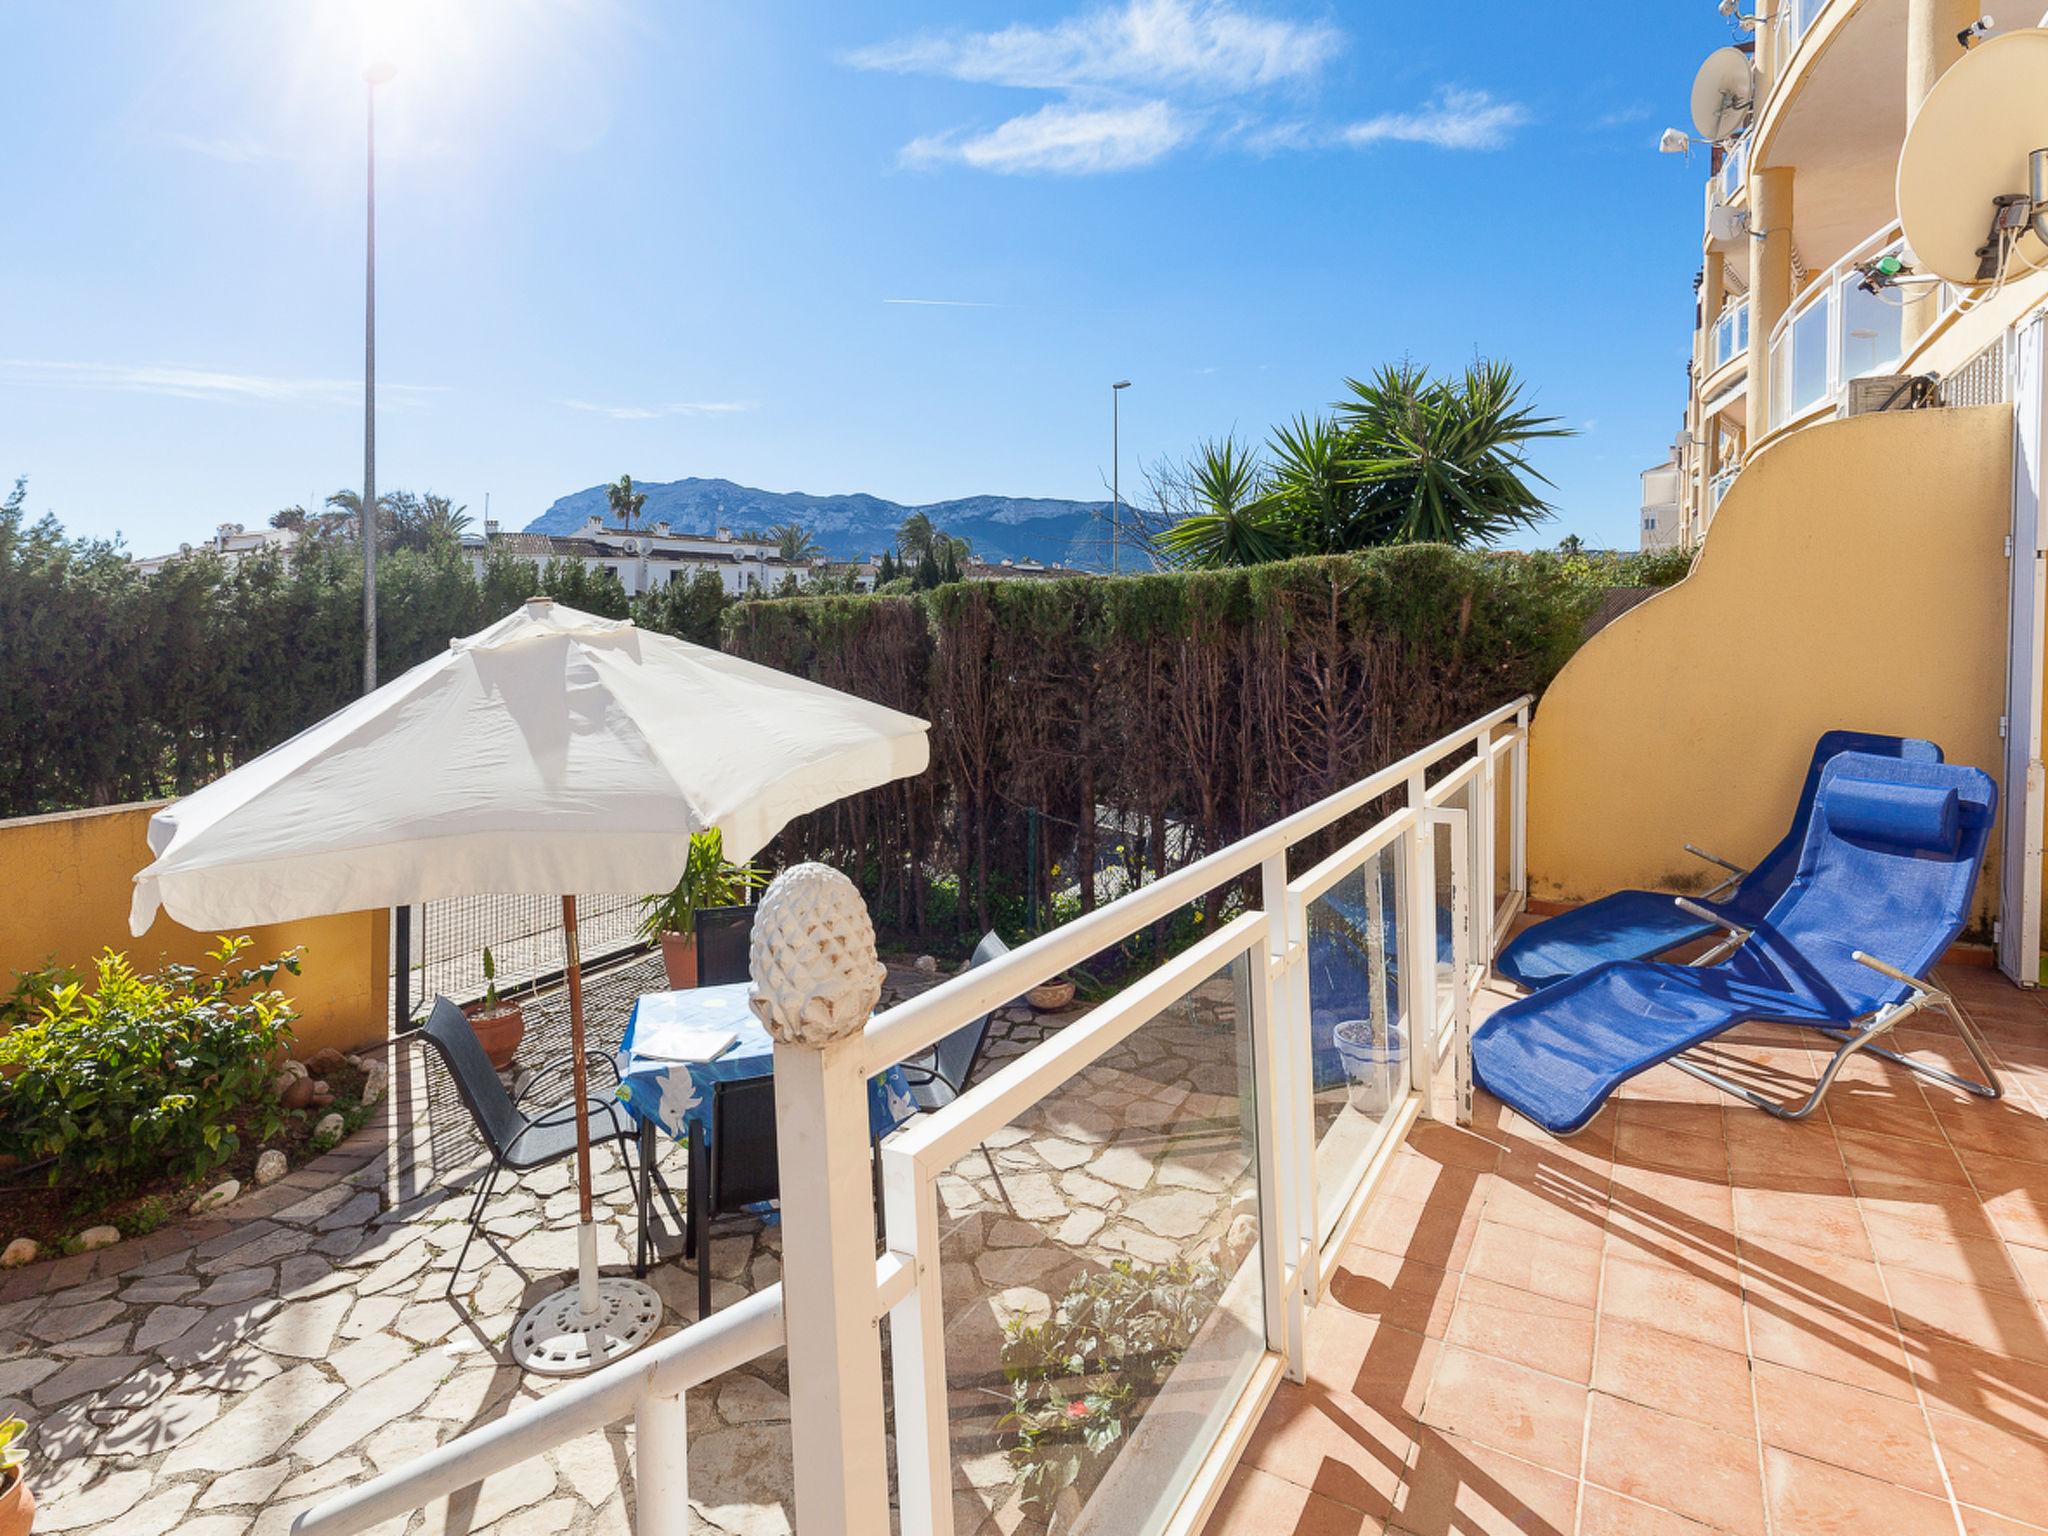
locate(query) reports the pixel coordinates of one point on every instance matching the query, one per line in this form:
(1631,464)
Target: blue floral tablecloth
(675,1095)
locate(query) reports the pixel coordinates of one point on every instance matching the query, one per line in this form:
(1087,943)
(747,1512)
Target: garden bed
(52,1216)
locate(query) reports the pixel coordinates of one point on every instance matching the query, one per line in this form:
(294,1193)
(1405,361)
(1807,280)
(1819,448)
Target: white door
(2019,928)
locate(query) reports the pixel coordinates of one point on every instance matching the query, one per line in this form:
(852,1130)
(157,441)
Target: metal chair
(724,935)
(518,1142)
(942,1074)
(736,1170)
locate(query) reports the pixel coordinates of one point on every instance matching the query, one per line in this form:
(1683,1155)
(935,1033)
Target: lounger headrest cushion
(1906,815)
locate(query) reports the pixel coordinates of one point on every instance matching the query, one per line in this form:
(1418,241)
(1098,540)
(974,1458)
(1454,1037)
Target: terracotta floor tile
(1530,1261)
(1404,1292)
(1813,1498)
(1530,1415)
(1674,1374)
(1903,1243)
(1995,1389)
(1602,1512)
(1437,1231)
(1442,1142)
(1998,1129)
(1867,1432)
(1981,1522)
(2015,1196)
(1255,1503)
(1938,1210)
(1675,1463)
(1701,1307)
(1332,1445)
(1662,1118)
(1354,1356)
(1848,1344)
(1462,1488)
(1665,1085)
(1537,1331)
(1993,1468)
(1659,1194)
(2004,1325)
(1823,1220)
(1873,1158)
(1817,1275)
(1894,1109)
(1549,1206)
(2032,1264)
(1643,1143)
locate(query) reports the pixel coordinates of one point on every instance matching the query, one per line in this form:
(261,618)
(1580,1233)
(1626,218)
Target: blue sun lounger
(1882,889)
(1641,925)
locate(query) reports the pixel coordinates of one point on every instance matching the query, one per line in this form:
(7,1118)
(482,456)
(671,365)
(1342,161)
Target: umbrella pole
(586,1232)
(595,1320)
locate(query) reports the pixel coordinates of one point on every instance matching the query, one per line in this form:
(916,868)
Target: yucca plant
(1441,461)
(1240,524)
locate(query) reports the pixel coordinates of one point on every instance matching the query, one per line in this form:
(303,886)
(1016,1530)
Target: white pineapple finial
(815,975)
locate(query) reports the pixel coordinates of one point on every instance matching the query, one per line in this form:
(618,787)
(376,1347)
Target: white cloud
(187,383)
(947,303)
(657,412)
(1062,138)
(1206,45)
(231,149)
(1454,119)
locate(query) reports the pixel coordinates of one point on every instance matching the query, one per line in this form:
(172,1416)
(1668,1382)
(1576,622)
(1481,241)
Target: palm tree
(1313,491)
(796,542)
(624,501)
(344,517)
(1441,460)
(1239,523)
(917,536)
(431,520)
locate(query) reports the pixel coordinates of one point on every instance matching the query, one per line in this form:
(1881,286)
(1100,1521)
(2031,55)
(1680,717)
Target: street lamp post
(374,75)
(1116,468)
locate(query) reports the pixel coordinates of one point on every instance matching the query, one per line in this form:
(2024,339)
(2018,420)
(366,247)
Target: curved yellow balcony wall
(1855,576)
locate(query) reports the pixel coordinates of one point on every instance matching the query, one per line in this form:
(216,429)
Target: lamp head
(379,72)
(1121,384)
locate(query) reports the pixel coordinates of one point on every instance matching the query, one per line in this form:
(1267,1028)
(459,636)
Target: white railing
(1241,1013)
(1837,332)
(1730,338)
(1725,185)
(1794,20)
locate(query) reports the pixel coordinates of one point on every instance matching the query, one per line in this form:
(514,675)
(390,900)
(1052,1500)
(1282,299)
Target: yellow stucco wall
(69,878)
(1855,576)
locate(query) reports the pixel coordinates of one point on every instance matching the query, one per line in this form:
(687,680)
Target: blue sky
(673,239)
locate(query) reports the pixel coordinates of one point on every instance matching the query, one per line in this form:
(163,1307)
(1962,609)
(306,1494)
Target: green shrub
(147,1073)
(1076,1379)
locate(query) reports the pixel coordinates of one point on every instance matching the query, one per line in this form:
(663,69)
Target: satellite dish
(1722,94)
(1969,146)
(1726,226)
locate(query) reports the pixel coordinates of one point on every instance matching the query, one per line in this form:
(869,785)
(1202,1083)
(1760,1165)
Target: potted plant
(17,1503)
(709,880)
(499,1025)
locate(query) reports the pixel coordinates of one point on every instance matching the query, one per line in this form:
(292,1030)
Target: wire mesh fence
(442,954)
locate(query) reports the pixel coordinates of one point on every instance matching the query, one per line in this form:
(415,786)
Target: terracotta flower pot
(679,959)
(17,1504)
(500,1032)
(1051,997)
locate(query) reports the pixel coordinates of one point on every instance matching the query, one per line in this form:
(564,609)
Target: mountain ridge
(851,525)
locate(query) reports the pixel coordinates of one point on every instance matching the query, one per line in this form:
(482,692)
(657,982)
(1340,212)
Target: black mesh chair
(736,1170)
(518,1142)
(941,1075)
(724,935)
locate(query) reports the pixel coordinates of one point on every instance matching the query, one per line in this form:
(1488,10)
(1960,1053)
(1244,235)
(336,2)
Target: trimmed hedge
(1205,703)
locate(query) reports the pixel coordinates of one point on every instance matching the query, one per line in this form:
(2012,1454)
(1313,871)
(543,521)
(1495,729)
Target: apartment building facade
(650,558)
(1792,326)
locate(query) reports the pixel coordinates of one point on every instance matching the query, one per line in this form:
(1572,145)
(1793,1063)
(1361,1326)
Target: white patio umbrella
(553,752)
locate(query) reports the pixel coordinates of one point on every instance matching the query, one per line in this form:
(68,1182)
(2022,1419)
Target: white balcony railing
(1794,20)
(1837,332)
(1373,949)
(1730,336)
(1725,185)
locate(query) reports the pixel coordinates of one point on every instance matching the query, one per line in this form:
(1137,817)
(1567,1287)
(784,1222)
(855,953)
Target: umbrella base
(554,1337)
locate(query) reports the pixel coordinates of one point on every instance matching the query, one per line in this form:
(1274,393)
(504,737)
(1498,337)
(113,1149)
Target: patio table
(673,1098)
